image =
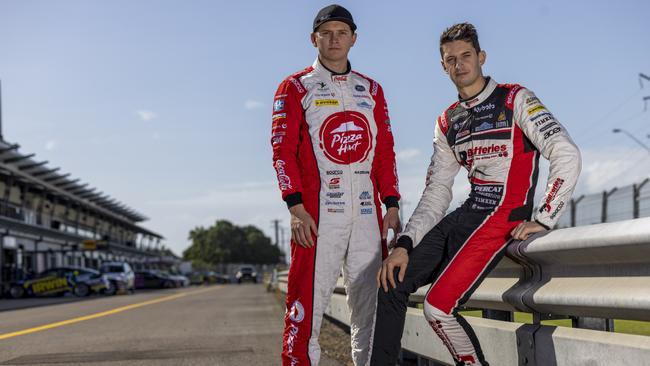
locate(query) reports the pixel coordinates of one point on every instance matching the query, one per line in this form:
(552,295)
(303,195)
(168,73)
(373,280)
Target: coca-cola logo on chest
(345,137)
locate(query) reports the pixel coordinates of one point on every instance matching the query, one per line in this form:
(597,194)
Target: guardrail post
(526,344)
(423,361)
(502,315)
(2,265)
(406,357)
(584,322)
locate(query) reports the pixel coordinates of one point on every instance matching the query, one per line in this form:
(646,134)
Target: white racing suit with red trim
(333,152)
(497,136)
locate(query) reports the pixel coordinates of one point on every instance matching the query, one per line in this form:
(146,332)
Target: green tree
(227,243)
(259,246)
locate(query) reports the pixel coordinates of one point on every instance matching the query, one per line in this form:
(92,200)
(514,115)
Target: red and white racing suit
(498,136)
(333,152)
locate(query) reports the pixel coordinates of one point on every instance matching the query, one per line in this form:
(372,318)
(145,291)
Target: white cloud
(155,136)
(253,104)
(146,115)
(51,145)
(250,203)
(604,169)
(408,154)
(255,193)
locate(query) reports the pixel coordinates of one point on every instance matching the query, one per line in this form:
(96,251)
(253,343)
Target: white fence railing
(591,274)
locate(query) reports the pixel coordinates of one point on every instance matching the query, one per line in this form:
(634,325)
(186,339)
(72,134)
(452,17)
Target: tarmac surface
(219,325)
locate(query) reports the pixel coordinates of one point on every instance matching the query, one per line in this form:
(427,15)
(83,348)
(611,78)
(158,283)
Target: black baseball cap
(334,12)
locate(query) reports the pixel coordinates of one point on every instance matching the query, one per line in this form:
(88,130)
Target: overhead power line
(643,76)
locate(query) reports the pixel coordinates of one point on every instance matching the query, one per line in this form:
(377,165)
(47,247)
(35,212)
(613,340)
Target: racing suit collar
(334,76)
(479,98)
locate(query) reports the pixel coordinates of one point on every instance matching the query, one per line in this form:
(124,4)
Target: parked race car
(246,273)
(120,275)
(197,278)
(154,279)
(179,279)
(58,281)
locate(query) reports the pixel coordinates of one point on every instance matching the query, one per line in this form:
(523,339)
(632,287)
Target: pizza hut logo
(345,137)
(297,312)
(291,340)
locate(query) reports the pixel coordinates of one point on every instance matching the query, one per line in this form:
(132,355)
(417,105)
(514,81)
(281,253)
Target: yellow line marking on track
(103,313)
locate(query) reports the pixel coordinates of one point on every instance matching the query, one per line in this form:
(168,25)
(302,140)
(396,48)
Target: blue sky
(165,105)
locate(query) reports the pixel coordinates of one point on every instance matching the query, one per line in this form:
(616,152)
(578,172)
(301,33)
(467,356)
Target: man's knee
(436,316)
(392,297)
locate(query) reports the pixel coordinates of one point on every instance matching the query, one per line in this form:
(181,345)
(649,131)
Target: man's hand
(302,224)
(525,229)
(391,221)
(398,258)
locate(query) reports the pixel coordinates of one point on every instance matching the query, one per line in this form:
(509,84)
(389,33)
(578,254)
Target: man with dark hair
(333,153)
(497,132)
(460,32)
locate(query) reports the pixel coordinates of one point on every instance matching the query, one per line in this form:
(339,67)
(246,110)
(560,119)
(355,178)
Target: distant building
(48,219)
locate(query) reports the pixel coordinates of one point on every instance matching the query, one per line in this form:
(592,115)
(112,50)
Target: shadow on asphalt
(112,356)
(34,302)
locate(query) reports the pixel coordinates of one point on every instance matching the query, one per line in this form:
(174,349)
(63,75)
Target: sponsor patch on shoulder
(536,109)
(278,105)
(279,115)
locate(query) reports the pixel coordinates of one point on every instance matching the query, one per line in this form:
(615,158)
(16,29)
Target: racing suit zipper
(341,89)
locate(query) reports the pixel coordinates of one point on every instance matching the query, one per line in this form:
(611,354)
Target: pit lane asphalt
(220,325)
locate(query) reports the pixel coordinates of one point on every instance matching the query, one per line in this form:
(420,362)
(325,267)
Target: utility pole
(276,225)
(402,203)
(284,246)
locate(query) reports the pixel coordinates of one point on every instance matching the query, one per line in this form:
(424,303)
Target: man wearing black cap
(333,154)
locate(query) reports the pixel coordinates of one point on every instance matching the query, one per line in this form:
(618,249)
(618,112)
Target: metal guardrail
(590,273)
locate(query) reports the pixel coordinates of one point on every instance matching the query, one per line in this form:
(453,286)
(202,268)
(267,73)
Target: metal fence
(616,204)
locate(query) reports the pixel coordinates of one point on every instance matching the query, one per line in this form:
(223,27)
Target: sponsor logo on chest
(326,103)
(345,137)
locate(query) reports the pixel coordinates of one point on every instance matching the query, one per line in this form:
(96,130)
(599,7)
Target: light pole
(617,130)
